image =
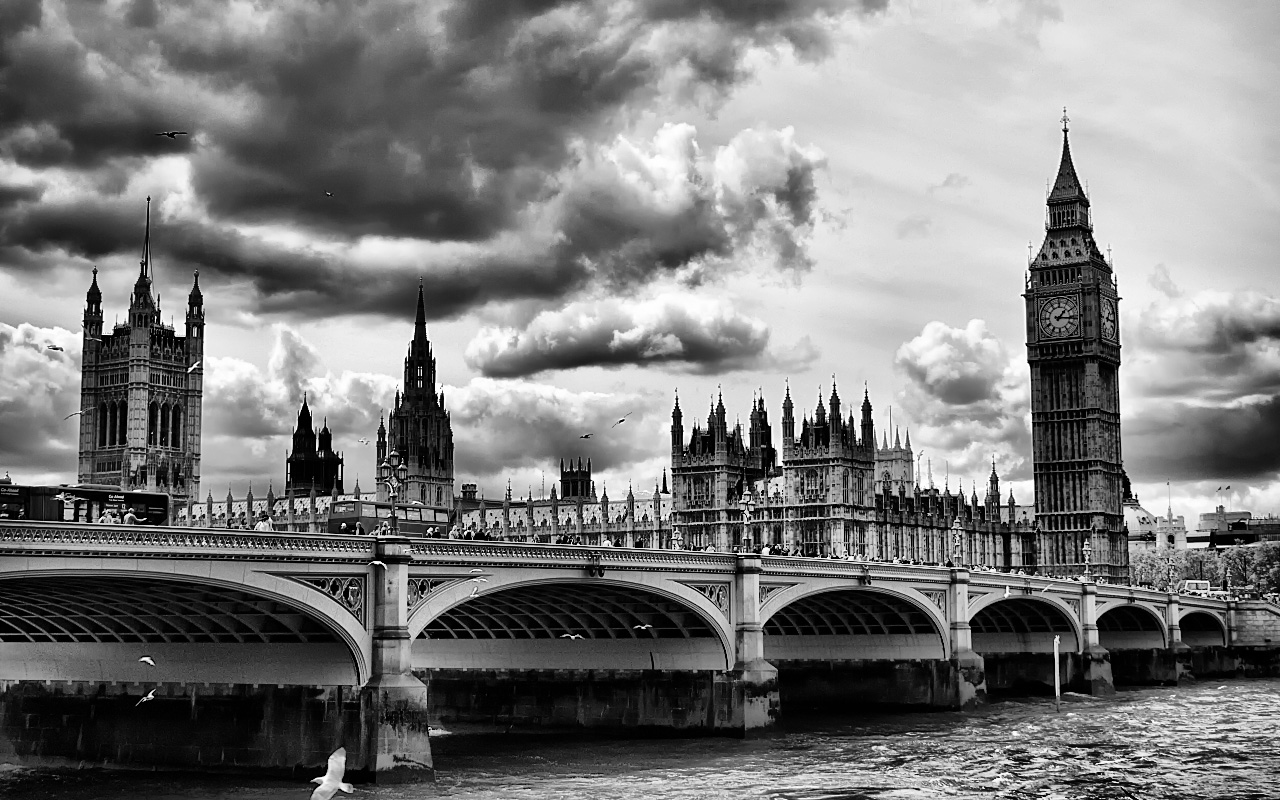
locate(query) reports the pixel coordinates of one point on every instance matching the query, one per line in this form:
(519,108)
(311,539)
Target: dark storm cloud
(1180,441)
(701,336)
(39,387)
(1217,347)
(475,122)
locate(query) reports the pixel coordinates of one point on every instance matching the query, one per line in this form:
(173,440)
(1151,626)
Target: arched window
(164,425)
(153,415)
(122,419)
(102,425)
(113,412)
(175,427)
(439,495)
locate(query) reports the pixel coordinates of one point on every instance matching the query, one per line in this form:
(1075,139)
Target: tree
(1237,565)
(1153,567)
(1266,567)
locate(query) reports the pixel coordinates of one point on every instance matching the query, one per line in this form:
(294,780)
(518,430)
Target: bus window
(411,513)
(383,512)
(343,508)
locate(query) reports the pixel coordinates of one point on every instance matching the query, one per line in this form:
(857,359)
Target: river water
(1207,741)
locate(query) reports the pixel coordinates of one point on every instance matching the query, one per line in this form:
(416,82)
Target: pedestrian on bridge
(130,518)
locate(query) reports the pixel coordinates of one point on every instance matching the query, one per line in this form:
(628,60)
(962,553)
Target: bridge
(271,649)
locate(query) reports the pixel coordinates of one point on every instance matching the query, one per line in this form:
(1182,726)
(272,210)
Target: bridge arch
(568,622)
(1202,629)
(209,622)
(1131,626)
(1023,624)
(841,622)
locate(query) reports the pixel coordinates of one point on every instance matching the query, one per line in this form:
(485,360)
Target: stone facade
(141,387)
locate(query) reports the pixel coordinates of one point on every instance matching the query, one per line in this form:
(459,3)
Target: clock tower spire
(1073,350)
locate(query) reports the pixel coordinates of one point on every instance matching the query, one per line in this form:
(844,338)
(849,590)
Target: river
(1205,741)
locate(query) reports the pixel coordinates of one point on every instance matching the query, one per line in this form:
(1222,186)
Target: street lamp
(957,539)
(748,503)
(394,473)
(1088,556)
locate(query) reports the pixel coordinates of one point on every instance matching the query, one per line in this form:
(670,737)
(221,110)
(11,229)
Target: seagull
(377,564)
(362,440)
(192,368)
(621,420)
(1006,591)
(332,781)
(641,627)
(475,590)
(56,347)
(586,436)
(72,414)
(474,570)
(151,695)
(479,580)
(147,660)
(328,194)
(571,636)
(173,134)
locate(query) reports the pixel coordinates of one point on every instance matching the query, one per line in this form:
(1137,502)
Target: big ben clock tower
(1073,349)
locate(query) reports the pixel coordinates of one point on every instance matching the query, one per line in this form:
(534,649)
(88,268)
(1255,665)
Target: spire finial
(1065,119)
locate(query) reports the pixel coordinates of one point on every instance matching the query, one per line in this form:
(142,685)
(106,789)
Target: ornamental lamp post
(1088,557)
(957,540)
(394,472)
(748,504)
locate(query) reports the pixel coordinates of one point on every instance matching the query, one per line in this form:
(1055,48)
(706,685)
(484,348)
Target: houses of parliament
(823,487)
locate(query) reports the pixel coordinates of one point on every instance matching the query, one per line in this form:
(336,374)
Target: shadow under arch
(1023,624)
(554,623)
(1131,626)
(854,623)
(1202,629)
(82,624)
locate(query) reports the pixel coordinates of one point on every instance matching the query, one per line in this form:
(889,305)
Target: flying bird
(192,368)
(571,636)
(642,627)
(377,564)
(147,660)
(475,570)
(362,440)
(173,134)
(328,194)
(332,781)
(1006,591)
(72,414)
(56,347)
(475,590)
(151,695)
(621,420)
(586,436)
(479,580)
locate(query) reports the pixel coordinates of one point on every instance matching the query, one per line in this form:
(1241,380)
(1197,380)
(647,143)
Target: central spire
(420,321)
(1067,185)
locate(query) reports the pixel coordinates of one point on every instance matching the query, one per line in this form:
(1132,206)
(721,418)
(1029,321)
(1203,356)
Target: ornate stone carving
(939,599)
(768,590)
(348,590)
(1074,604)
(165,542)
(717,593)
(422,588)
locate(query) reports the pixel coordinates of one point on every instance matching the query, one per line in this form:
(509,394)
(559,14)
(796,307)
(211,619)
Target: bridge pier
(394,703)
(1095,660)
(754,680)
(970,668)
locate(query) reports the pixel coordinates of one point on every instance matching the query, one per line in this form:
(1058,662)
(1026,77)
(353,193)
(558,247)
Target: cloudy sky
(611,201)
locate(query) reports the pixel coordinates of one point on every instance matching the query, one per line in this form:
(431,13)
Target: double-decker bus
(411,519)
(84,503)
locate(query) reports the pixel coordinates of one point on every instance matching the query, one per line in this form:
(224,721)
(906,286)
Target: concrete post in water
(755,681)
(971,678)
(394,702)
(1094,658)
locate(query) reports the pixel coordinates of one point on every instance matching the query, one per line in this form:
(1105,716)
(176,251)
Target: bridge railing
(469,550)
(140,540)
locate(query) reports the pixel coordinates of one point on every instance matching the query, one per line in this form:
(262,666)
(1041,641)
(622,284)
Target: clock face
(1059,316)
(1108,319)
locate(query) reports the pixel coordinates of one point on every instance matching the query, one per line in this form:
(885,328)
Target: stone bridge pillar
(1181,653)
(971,678)
(394,702)
(1095,660)
(1233,629)
(755,681)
